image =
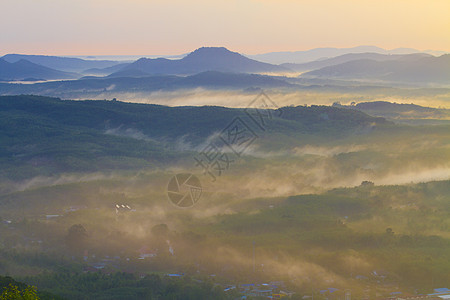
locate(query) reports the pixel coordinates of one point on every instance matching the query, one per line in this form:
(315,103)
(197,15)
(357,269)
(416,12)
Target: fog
(237,98)
(309,209)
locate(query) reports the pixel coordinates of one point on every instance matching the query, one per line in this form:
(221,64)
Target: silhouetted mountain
(111,86)
(401,112)
(418,70)
(392,107)
(24,69)
(129,73)
(92,135)
(300,57)
(68,64)
(350,57)
(213,79)
(201,60)
(105,71)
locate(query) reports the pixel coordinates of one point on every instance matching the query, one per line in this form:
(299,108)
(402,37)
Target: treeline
(10,289)
(125,286)
(53,260)
(45,136)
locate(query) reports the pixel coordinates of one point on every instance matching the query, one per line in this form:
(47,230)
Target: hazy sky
(145,27)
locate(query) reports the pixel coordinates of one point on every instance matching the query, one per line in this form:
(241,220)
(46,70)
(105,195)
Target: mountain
(131,81)
(214,79)
(300,57)
(402,112)
(350,57)
(128,73)
(68,64)
(25,70)
(105,71)
(44,136)
(417,70)
(201,60)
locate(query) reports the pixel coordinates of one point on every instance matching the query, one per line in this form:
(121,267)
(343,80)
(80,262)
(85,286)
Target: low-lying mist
(237,98)
(312,209)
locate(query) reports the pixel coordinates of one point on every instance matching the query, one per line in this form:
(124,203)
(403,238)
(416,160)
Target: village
(255,289)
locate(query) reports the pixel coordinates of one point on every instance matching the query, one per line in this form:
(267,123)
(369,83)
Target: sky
(166,27)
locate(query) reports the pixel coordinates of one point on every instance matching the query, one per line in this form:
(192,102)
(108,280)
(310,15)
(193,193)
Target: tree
(12,292)
(76,239)
(389,231)
(161,230)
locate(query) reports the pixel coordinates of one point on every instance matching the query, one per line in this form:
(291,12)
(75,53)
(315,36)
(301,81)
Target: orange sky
(146,27)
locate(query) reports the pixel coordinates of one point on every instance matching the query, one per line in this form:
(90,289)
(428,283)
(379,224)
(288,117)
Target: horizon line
(259,53)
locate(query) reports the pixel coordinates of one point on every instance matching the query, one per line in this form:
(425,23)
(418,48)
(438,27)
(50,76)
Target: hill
(24,70)
(68,64)
(321,63)
(105,71)
(401,112)
(204,59)
(300,57)
(42,136)
(138,81)
(421,70)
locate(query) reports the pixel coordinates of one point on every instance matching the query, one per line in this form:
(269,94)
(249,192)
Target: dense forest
(111,286)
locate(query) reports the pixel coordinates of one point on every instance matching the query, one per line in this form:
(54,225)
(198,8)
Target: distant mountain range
(105,71)
(67,64)
(418,70)
(217,67)
(317,64)
(26,70)
(201,60)
(402,113)
(111,86)
(300,57)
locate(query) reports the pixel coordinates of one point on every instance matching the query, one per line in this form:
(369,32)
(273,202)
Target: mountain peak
(204,59)
(25,69)
(24,62)
(212,49)
(211,53)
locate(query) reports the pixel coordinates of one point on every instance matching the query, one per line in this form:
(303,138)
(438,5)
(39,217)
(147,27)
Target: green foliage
(125,286)
(11,289)
(12,292)
(44,136)
(76,239)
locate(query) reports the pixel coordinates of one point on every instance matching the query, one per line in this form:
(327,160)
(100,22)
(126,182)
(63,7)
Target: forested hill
(41,135)
(163,121)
